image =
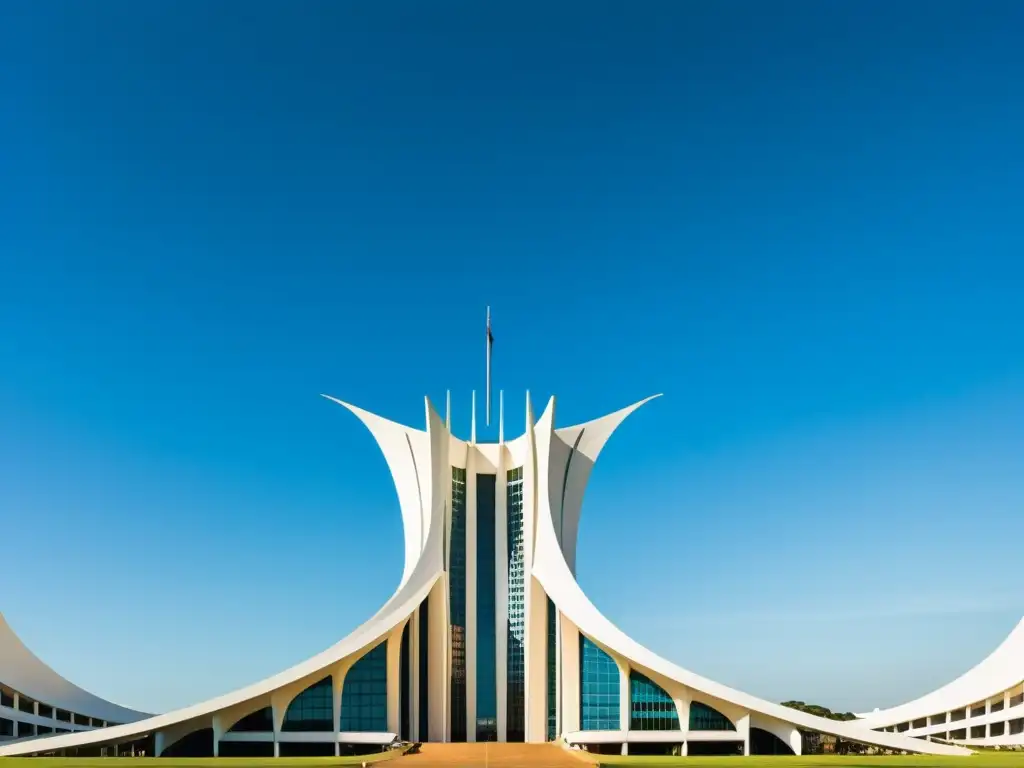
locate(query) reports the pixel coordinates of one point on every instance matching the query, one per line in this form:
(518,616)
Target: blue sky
(799,220)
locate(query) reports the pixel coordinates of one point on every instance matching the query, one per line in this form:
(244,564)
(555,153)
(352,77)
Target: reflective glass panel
(312,710)
(552,670)
(705,718)
(364,693)
(457,597)
(486,652)
(262,720)
(650,707)
(599,688)
(514,621)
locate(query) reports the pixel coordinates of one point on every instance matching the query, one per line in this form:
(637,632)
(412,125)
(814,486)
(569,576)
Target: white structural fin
(501,416)
(472,422)
(573,453)
(26,673)
(448,410)
(407,452)
(580,617)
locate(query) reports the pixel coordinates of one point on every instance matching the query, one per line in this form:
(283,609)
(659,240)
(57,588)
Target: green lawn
(983,760)
(196,762)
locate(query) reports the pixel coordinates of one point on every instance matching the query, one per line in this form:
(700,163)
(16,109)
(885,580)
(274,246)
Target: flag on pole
(490,342)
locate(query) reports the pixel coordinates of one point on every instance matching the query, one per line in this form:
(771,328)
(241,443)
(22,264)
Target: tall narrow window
(651,708)
(364,693)
(552,670)
(457,598)
(424,670)
(599,689)
(515,624)
(486,646)
(405,674)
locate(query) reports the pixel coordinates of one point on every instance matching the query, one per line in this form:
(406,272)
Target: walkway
(491,755)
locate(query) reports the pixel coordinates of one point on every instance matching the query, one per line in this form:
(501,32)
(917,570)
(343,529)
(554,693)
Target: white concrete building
(36,701)
(487,637)
(983,707)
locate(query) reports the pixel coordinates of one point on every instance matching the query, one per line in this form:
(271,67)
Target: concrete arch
(998,672)
(26,673)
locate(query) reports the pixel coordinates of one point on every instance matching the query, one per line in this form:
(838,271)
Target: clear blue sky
(801,221)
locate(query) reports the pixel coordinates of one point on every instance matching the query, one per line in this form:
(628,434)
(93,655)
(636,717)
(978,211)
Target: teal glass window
(312,710)
(457,600)
(486,645)
(599,689)
(364,693)
(424,669)
(552,670)
(515,620)
(262,720)
(404,681)
(705,718)
(650,707)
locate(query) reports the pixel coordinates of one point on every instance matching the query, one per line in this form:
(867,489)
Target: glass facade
(364,693)
(404,684)
(457,598)
(515,625)
(312,710)
(599,689)
(552,671)
(705,718)
(424,670)
(262,720)
(486,652)
(196,744)
(650,707)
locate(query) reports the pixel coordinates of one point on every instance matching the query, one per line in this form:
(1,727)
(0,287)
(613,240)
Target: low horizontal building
(984,707)
(36,702)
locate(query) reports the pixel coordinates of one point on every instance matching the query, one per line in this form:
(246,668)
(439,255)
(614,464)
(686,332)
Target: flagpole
(490,340)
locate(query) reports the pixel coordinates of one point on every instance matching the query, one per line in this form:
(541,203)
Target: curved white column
(552,569)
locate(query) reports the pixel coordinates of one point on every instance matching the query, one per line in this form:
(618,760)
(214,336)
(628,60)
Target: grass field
(195,762)
(981,760)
